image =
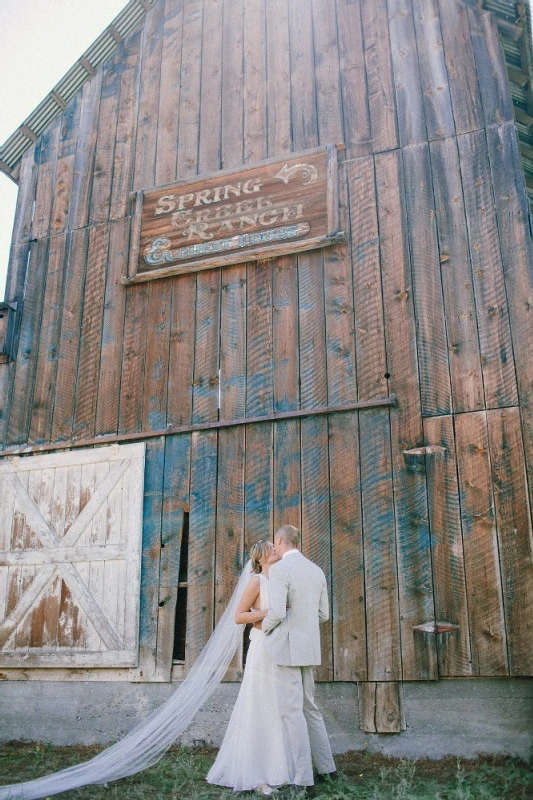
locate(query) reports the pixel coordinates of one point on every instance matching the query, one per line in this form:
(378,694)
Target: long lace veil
(147,742)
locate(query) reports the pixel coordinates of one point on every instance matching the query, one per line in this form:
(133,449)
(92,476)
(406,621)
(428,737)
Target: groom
(298,602)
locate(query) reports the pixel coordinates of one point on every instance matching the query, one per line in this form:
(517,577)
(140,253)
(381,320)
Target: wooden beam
(378,402)
(509,29)
(28,133)
(517,76)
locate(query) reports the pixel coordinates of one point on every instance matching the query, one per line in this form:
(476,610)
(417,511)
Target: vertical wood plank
(133,358)
(381,583)
(355,106)
(175,500)
(107,404)
(278,78)
(85,149)
(327,69)
(348,579)
(169,93)
(303,97)
(150,559)
(381,707)
(229,542)
(189,160)
(381,596)
(69,343)
(44,194)
(28,346)
(316,527)
(285,334)
(409,481)
(155,322)
(463,81)
(312,339)
(512,212)
(48,346)
(149,80)
(497,359)
(348,615)
(456,275)
(491,67)
(259,340)
(181,355)
(513,517)
(433,71)
(233,337)
(259,484)
(287,480)
(255,135)
(157,353)
(450,590)
(379,76)
(368,304)
(485,602)
(202,522)
(340,321)
(409,99)
(427,288)
(209,91)
(104,156)
(207,347)
(126,126)
(90,333)
(287,475)
(29,171)
(232,134)
(65,165)
(316,531)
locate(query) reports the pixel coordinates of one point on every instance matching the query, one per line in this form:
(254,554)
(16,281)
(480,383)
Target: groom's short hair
(290,535)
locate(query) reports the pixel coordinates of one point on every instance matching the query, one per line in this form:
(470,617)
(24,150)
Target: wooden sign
(271,209)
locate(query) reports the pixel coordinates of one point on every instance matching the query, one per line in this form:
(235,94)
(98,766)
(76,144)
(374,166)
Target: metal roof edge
(57,99)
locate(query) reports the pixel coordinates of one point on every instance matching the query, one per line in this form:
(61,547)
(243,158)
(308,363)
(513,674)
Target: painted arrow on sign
(308,170)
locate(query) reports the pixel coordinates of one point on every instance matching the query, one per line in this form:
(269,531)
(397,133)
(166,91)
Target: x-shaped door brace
(59,555)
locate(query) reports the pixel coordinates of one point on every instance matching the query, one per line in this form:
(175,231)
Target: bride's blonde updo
(259,550)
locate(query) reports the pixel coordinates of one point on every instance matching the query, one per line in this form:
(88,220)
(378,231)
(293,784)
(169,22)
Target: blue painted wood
(202,526)
(152,510)
(28,345)
(411,529)
(175,500)
(259,484)
(151,549)
(381,583)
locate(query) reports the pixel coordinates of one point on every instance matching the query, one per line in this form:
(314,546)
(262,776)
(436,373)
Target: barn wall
(430,301)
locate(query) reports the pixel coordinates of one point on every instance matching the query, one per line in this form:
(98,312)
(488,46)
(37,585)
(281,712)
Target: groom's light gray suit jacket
(298,601)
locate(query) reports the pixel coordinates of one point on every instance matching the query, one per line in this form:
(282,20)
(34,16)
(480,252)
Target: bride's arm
(247,601)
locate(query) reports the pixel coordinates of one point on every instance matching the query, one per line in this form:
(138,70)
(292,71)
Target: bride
(252,755)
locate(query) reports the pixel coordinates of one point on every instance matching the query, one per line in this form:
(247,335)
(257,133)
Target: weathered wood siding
(430,300)
(70,558)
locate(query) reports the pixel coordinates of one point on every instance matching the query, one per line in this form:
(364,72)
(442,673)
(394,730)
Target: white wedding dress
(253,752)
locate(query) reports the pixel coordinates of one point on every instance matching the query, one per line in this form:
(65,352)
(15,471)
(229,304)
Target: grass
(181,774)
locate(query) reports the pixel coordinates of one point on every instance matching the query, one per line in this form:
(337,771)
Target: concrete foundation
(452,717)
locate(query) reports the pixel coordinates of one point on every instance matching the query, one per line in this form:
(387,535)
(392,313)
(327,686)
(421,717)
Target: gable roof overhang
(22,139)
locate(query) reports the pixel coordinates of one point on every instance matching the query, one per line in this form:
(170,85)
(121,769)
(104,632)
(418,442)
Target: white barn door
(70,548)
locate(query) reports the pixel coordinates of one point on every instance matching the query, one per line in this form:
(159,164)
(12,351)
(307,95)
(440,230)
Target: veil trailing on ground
(149,740)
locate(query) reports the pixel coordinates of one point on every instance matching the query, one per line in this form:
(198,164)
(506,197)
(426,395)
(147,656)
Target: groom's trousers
(303,725)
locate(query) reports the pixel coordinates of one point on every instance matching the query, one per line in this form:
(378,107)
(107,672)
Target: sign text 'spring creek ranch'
(271,209)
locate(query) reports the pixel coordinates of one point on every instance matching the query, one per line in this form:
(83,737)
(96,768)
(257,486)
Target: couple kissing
(276,731)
